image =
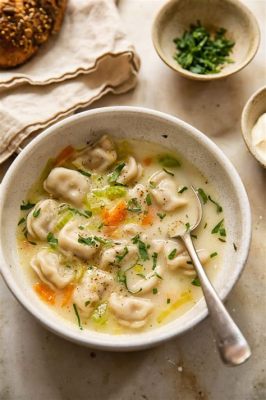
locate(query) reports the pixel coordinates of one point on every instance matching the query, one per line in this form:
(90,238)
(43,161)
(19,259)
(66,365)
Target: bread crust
(25,25)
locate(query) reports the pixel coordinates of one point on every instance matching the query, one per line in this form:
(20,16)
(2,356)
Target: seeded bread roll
(25,25)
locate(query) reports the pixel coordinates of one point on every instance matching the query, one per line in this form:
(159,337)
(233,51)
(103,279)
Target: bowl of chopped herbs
(205,39)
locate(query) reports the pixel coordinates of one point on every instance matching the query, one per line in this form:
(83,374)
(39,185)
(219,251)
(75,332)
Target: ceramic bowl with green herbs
(206,39)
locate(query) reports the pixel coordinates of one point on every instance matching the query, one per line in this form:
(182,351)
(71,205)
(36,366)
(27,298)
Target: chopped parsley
(77,315)
(154,260)
(85,213)
(168,161)
(203,195)
(120,257)
(148,199)
(214,254)
(187,225)
(26,206)
(222,240)
(143,252)
(205,226)
(168,172)
(85,173)
(219,228)
(51,239)
(21,221)
(218,207)
(133,205)
(152,184)
(196,282)
(184,188)
(36,213)
(172,255)
(154,290)
(87,303)
(235,247)
(121,277)
(88,241)
(161,216)
(168,301)
(202,53)
(194,236)
(116,173)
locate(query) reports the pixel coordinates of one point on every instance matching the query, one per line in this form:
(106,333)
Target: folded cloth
(89,58)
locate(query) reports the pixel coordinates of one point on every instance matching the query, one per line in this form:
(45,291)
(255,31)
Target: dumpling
(131,229)
(139,192)
(42,219)
(68,184)
(99,157)
(181,259)
(129,311)
(47,266)
(132,171)
(144,285)
(72,240)
(121,254)
(165,193)
(91,290)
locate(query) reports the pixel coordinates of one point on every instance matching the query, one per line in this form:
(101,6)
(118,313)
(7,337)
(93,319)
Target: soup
(93,237)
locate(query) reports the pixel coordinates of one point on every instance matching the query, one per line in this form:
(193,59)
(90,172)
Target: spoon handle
(232,345)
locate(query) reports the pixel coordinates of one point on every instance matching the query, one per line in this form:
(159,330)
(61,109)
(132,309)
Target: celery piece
(99,315)
(66,217)
(112,192)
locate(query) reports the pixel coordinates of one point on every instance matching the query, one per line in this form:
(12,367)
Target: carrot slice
(65,154)
(67,294)
(45,292)
(148,218)
(115,216)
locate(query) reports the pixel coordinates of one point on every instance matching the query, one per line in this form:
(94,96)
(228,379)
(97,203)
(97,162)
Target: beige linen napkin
(89,58)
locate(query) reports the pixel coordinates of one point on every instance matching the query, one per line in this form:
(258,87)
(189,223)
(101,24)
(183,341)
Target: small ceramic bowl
(255,107)
(126,123)
(176,16)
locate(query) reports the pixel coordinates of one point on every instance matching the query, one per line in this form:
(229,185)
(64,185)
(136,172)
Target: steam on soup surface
(93,235)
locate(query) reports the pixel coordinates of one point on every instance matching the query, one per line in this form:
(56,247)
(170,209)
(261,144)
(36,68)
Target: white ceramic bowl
(142,124)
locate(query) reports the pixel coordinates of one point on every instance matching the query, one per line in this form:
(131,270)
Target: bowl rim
(133,343)
(244,121)
(187,74)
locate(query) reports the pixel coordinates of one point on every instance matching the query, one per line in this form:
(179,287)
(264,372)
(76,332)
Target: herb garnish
(119,257)
(202,53)
(133,205)
(88,241)
(154,290)
(85,173)
(26,206)
(196,282)
(154,260)
(161,216)
(168,301)
(235,248)
(219,228)
(183,189)
(203,195)
(214,254)
(85,213)
(77,315)
(168,172)
(168,161)
(148,199)
(115,174)
(21,221)
(51,239)
(187,225)
(218,207)
(152,184)
(121,277)
(142,247)
(36,213)
(172,255)
(194,236)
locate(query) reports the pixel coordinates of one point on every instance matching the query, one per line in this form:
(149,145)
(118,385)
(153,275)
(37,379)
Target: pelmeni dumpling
(91,290)
(132,171)
(70,241)
(47,266)
(180,258)
(121,254)
(129,311)
(67,184)
(42,219)
(131,229)
(99,157)
(165,193)
(139,192)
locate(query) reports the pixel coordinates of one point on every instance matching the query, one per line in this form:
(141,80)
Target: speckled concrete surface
(36,365)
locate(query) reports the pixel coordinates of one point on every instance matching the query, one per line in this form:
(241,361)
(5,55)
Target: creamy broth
(93,235)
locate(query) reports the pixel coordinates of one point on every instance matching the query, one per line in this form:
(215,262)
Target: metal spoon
(232,345)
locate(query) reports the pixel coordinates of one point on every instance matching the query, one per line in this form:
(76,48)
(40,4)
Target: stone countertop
(37,365)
